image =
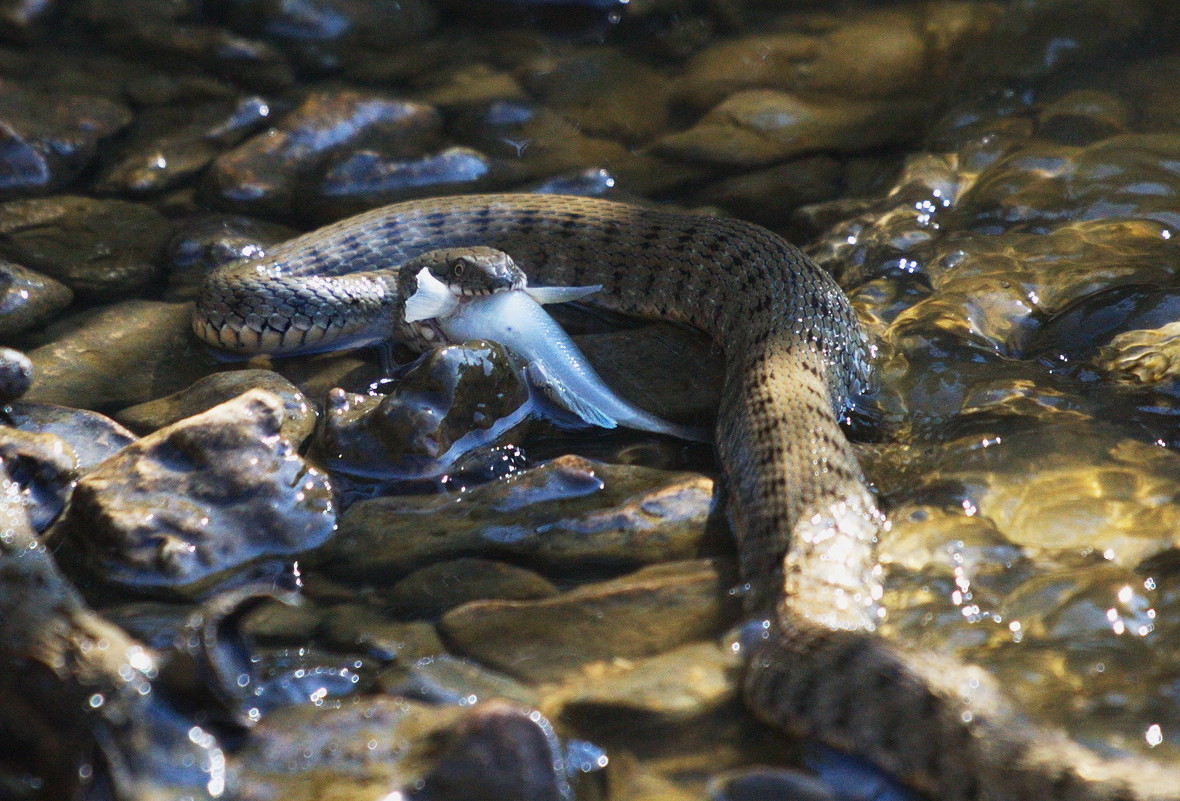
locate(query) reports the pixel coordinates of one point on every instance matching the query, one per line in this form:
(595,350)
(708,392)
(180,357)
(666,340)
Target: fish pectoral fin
(432,299)
(556,390)
(559,294)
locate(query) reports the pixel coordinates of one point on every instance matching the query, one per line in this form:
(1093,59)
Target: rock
(768,784)
(44,466)
(28,299)
(168,146)
(668,703)
(368,748)
(602,92)
(358,628)
(564,515)
(528,142)
(758,127)
(211,240)
(48,139)
(200,498)
(126,353)
(866,53)
(367,179)
(23,20)
(299,417)
(460,398)
(93,437)
(769,196)
(647,612)
(444,679)
(98,248)
(500,752)
(324,35)
(16,374)
(432,590)
(267,174)
(472,85)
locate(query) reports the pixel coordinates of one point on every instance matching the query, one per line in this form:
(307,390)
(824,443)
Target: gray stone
(432,590)
(122,354)
(299,417)
(564,515)
(458,399)
(98,248)
(16,374)
(202,497)
(645,613)
(758,127)
(93,437)
(28,298)
(45,466)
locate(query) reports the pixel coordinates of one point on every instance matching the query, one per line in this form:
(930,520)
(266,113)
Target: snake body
(804,517)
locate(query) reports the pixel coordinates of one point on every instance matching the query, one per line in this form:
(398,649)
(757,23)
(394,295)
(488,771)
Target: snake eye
(458,268)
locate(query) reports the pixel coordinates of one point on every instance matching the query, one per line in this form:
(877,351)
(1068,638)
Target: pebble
(28,298)
(457,399)
(126,353)
(430,591)
(652,610)
(205,496)
(47,139)
(299,416)
(98,248)
(269,174)
(563,515)
(93,437)
(16,374)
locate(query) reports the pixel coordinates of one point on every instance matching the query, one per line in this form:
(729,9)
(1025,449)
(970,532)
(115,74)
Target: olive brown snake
(805,520)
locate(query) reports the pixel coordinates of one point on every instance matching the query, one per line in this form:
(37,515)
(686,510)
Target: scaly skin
(805,520)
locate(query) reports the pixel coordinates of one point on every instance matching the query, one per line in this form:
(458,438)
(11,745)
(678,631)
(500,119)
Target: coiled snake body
(805,520)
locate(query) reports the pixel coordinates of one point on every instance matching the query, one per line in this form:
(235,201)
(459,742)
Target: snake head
(435,283)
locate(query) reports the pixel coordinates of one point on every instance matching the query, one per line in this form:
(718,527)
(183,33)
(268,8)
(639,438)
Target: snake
(803,514)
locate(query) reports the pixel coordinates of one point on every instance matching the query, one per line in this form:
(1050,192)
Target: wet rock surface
(98,248)
(205,496)
(565,514)
(28,298)
(130,352)
(456,399)
(92,436)
(299,417)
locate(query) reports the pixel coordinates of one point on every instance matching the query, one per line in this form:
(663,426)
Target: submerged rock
(432,590)
(209,241)
(457,399)
(44,466)
(299,417)
(98,248)
(48,139)
(647,612)
(125,353)
(93,437)
(16,374)
(28,298)
(568,514)
(267,174)
(197,499)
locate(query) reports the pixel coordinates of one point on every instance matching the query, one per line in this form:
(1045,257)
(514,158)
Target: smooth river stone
(98,248)
(564,515)
(205,496)
(365,749)
(659,704)
(299,416)
(758,127)
(641,614)
(445,679)
(44,466)
(267,174)
(28,298)
(16,374)
(432,590)
(122,354)
(94,437)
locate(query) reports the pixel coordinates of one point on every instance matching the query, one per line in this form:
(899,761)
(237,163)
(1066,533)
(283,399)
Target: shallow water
(995,185)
